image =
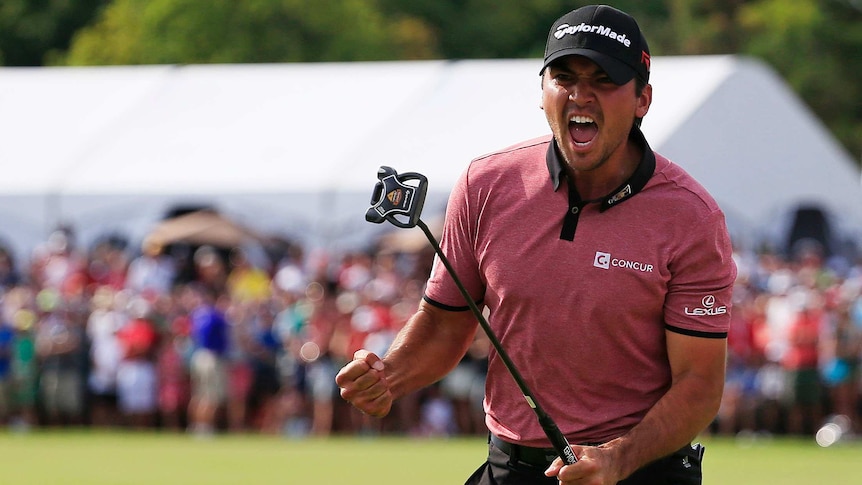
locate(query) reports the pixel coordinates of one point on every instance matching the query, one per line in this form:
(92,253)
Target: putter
(399,198)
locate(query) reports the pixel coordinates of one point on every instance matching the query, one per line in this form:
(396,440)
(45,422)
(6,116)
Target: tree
(471,29)
(32,29)
(815,45)
(227,31)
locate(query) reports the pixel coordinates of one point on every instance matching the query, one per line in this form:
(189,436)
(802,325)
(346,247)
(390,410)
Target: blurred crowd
(795,342)
(205,340)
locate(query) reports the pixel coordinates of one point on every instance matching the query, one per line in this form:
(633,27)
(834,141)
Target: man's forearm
(429,346)
(677,418)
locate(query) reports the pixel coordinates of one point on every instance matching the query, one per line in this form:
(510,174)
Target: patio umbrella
(202,228)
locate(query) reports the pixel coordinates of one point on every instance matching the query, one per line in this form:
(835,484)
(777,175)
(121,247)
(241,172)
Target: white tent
(294,148)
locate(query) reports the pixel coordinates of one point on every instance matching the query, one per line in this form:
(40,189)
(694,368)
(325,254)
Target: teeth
(581,119)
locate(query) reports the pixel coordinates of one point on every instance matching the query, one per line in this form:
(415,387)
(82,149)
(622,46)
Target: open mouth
(582,129)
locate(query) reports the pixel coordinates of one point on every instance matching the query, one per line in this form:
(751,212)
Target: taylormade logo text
(592,29)
(606,261)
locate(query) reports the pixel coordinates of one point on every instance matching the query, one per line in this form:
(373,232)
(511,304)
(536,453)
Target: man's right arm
(429,346)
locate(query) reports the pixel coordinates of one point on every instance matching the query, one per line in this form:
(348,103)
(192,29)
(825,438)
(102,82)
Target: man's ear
(644,102)
(541,90)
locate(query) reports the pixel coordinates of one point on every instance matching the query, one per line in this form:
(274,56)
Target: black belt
(537,457)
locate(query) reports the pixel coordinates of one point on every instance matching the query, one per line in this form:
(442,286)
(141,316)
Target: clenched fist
(363,384)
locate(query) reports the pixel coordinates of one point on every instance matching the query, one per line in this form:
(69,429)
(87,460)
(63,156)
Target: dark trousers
(681,468)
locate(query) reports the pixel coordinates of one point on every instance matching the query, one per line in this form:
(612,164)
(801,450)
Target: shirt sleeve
(699,295)
(457,243)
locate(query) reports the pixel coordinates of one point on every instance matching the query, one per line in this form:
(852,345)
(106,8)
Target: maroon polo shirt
(581,293)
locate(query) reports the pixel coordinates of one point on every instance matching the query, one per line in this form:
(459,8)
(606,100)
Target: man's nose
(580,92)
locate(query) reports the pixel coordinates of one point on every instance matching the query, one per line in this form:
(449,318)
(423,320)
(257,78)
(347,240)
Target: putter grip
(558,441)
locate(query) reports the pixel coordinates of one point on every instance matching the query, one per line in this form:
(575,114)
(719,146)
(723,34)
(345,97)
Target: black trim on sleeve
(695,333)
(448,308)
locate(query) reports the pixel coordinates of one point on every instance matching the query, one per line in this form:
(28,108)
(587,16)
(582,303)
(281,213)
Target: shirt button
(575,210)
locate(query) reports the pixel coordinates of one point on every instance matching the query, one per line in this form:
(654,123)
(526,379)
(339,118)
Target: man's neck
(597,184)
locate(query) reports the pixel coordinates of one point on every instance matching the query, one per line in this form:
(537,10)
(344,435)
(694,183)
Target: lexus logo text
(707,307)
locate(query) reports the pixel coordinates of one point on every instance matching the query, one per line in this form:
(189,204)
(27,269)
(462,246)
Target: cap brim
(619,72)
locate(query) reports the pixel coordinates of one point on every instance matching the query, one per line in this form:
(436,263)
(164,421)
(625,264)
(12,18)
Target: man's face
(589,115)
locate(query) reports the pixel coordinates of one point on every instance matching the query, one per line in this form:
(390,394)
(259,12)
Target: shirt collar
(627,189)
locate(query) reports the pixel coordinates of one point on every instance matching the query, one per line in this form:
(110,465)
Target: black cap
(607,36)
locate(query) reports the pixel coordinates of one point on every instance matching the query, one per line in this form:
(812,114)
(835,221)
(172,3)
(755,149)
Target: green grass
(103,458)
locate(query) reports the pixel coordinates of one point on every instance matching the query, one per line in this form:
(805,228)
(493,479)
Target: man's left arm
(697,366)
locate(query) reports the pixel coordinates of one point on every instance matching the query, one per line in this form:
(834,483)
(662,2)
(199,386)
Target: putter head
(394,200)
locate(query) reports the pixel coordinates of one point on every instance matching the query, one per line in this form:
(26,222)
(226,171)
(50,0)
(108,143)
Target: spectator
(291,327)
(172,371)
(152,272)
(465,387)
(437,414)
(56,264)
(264,351)
(841,370)
(319,359)
(24,369)
(239,368)
(803,387)
(60,349)
(745,357)
(7,336)
(208,365)
(246,283)
(107,264)
(9,276)
(210,270)
(136,376)
(355,272)
(105,355)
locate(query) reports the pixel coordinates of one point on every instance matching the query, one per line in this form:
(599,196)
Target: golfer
(606,270)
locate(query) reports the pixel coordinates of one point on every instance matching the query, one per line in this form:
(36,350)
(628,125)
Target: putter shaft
(558,440)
